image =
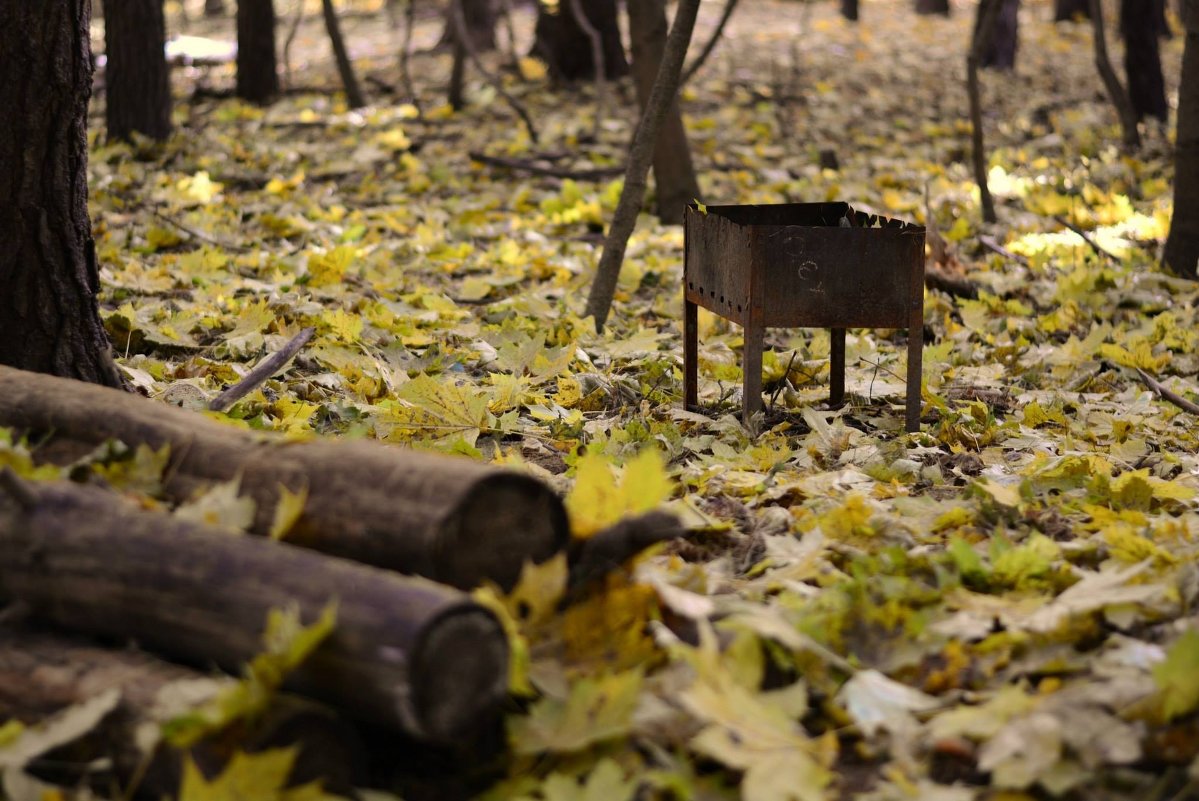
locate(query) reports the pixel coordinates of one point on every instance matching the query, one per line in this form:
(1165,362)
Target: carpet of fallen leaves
(998,607)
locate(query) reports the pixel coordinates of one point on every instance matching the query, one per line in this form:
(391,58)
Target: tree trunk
(632,195)
(562,43)
(42,675)
(404,653)
(1142,57)
(674,175)
(849,10)
(137,78)
(932,7)
(1066,10)
(984,27)
(1115,90)
(1182,247)
(214,8)
(448,519)
(480,21)
(1000,54)
(345,68)
(49,321)
(257,73)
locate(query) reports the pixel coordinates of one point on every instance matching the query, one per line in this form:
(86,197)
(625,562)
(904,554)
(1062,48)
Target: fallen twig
(261,371)
(1162,392)
(950,284)
(1090,240)
(192,232)
(525,165)
(993,246)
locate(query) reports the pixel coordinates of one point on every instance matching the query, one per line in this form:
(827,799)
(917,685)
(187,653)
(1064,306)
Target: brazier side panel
(718,265)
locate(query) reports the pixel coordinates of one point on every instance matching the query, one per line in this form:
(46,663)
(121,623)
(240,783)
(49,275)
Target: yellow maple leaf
(598,499)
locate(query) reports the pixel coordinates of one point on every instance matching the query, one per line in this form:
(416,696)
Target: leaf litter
(998,607)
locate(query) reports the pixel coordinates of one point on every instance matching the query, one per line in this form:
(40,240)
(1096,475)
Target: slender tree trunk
(49,321)
(257,73)
(1115,91)
(665,90)
(932,7)
(563,44)
(354,96)
(849,10)
(1142,57)
(1182,247)
(1064,10)
(480,21)
(214,8)
(138,83)
(674,175)
(984,26)
(697,64)
(1001,53)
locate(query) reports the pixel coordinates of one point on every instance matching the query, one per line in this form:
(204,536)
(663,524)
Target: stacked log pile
(392,537)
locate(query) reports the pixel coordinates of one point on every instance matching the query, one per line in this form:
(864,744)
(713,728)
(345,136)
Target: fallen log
(449,519)
(405,652)
(43,674)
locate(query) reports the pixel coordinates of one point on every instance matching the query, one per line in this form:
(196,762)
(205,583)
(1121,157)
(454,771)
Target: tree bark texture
(257,71)
(1064,10)
(1182,247)
(214,8)
(480,22)
(136,77)
(563,44)
(674,174)
(1142,57)
(1000,54)
(345,68)
(1115,90)
(849,10)
(405,652)
(42,674)
(664,93)
(933,7)
(49,321)
(448,519)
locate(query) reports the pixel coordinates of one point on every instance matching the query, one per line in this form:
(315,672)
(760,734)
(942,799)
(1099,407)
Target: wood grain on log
(42,674)
(448,519)
(405,652)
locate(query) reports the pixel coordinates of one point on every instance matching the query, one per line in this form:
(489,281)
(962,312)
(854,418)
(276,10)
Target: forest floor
(998,607)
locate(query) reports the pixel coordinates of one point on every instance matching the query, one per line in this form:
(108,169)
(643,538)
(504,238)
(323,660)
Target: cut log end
(506,519)
(460,668)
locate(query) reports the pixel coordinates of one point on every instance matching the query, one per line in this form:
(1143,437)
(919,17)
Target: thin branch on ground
(993,246)
(200,235)
(1166,394)
(950,284)
(462,35)
(1090,240)
(526,165)
(261,372)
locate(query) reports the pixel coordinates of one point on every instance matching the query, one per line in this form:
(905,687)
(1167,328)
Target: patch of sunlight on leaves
(287,642)
(598,708)
(599,498)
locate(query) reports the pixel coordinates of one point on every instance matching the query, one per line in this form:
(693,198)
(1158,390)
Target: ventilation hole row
(712,295)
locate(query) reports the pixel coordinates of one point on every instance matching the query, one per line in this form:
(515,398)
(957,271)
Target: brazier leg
(690,356)
(751,367)
(836,368)
(915,370)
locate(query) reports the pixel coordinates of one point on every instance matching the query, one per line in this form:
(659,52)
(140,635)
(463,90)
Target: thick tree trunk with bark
(1182,247)
(257,73)
(1115,90)
(43,674)
(849,10)
(564,45)
(1000,54)
(932,7)
(404,653)
(451,520)
(674,175)
(1064,10)
(480,21)
(48,316)
(137,79)
(1142,57)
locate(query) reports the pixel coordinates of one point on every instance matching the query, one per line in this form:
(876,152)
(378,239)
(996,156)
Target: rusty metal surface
(803,264)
